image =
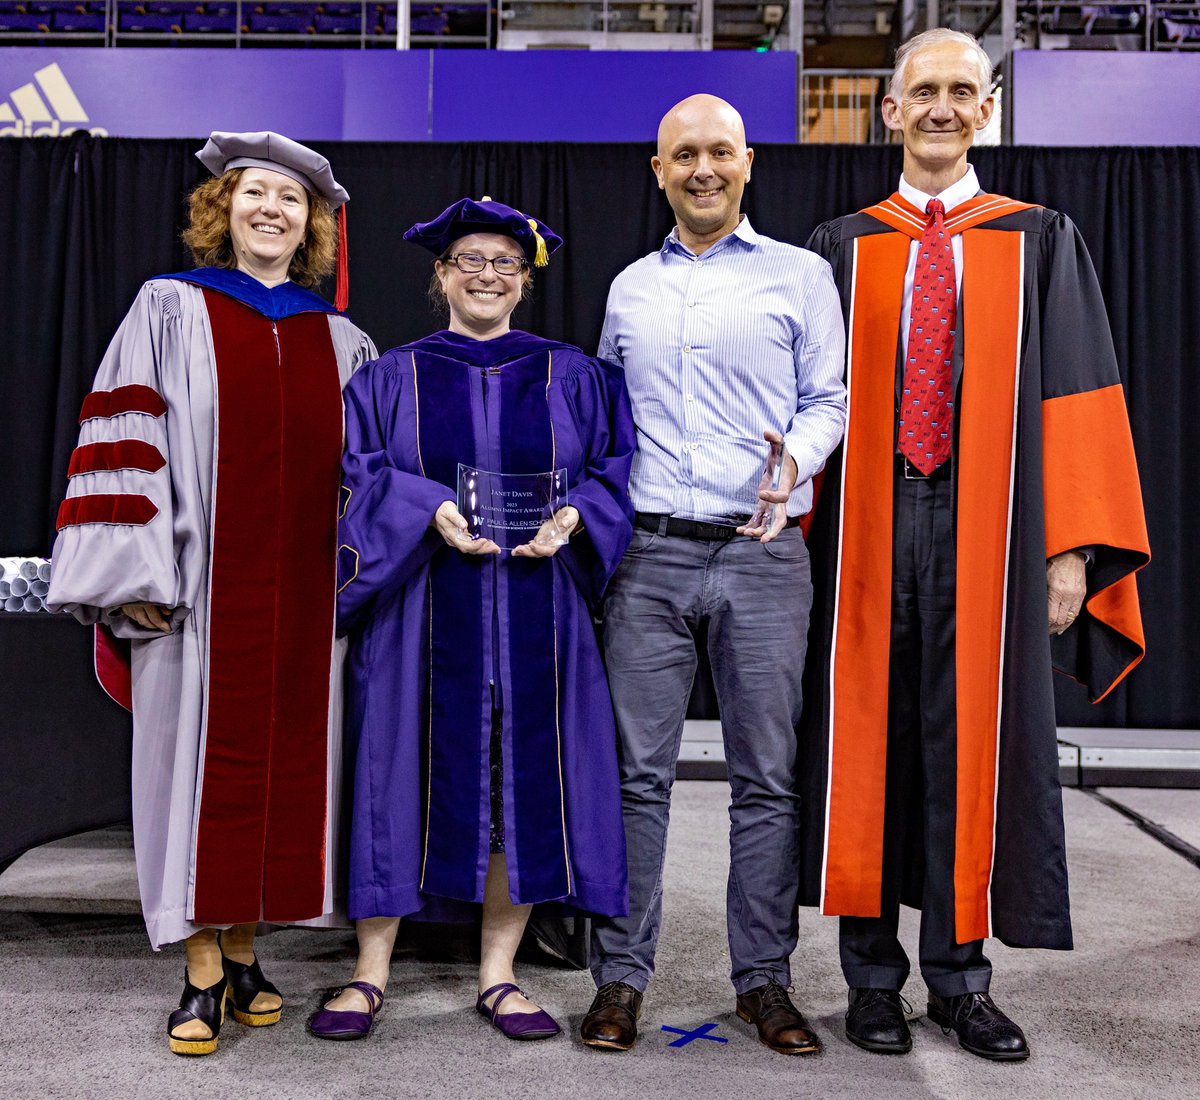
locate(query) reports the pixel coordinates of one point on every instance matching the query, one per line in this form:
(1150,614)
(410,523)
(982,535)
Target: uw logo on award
(48,109)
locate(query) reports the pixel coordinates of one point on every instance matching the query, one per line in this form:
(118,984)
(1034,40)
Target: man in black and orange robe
(937,705)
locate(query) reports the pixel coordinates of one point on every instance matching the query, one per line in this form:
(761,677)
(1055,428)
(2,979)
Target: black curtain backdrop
(84,221)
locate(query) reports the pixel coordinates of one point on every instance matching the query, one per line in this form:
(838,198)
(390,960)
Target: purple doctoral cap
(467,216)
(224,151)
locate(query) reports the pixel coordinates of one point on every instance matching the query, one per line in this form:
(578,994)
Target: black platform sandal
(205,1005)
(246,981)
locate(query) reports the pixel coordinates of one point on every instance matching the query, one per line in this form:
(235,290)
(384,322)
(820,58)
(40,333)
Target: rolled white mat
(43,571)
(28,569)
(5,590)
(34,603)
(14,603)
(38,587)
(18,586)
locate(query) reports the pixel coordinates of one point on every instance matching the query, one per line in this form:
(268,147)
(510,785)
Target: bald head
(703,165)
(700,109)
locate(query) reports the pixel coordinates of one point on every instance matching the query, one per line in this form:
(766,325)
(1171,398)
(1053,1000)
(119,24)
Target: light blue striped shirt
(718,348)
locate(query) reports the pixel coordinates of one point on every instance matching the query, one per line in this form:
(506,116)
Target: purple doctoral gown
(439,639)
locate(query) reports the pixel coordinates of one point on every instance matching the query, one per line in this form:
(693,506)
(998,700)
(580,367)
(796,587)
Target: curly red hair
(207,235)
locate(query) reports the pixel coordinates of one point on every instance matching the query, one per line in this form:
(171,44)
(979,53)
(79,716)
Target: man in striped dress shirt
(727,337)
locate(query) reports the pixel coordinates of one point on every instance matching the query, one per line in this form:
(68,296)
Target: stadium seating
(18,22)
(1062,24)
(210,22)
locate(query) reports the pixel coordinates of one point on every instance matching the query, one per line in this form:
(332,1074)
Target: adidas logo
(52,111)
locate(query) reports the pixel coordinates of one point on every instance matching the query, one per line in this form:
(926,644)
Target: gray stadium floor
(84,1001)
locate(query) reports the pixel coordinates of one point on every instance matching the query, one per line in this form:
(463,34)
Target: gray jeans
(755,602)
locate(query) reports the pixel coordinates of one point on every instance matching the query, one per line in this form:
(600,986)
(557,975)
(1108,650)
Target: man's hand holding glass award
(526,515)
(774,488)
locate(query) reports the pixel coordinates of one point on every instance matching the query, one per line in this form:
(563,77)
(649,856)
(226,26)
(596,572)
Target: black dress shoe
(611,1022)
(981,1027)
(779,1022)
(875,1021)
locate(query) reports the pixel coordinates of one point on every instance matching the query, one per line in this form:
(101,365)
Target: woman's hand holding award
(526,515)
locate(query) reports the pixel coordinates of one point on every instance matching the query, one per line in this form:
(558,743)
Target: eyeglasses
(471,263)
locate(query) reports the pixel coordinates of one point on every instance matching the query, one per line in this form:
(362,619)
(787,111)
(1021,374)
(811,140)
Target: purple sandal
(337,1023)
(516,1025)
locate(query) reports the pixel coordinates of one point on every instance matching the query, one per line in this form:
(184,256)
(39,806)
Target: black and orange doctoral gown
(1042,463)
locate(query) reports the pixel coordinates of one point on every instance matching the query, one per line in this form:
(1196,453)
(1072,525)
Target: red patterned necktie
(927,401)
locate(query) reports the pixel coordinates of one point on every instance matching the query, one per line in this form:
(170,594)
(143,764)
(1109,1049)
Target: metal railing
(841,106)
(1176,26)
(591,24)
(1050,24)
(605,25)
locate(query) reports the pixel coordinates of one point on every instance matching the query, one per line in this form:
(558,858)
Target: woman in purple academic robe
(478,716)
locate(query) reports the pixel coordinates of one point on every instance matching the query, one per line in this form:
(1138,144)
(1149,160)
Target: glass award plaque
(510,509)
(772,471)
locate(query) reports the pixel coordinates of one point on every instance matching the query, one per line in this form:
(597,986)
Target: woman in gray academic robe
(200,525)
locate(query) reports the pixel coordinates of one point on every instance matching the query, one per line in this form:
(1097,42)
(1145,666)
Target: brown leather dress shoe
(780,1024)
(611,1022)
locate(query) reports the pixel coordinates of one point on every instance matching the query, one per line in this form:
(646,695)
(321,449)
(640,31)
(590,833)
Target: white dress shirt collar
(954,195)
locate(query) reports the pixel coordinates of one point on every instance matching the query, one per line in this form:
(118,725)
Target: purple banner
(577,95)
(1080,97)
(377,95)
(311,95)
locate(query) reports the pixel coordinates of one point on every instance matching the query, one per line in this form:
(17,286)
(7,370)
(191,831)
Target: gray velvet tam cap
(225,151)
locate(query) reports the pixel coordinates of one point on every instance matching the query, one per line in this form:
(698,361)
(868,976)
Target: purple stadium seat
(134,23)
(345,9)
(389,22)
(210,23)
(142,8)
(24,22)
(270,23)
(424,22)
(337,24)
(78,23)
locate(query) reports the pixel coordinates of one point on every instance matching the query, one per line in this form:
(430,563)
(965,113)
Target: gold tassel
(541,258)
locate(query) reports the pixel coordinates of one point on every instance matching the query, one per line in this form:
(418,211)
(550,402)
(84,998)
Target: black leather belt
(694,528)
(909,472)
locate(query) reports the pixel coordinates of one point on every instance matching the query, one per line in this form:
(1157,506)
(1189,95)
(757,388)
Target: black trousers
(921,764)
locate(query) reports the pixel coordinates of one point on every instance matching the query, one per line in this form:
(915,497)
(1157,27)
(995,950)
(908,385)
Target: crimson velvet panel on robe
(260,850)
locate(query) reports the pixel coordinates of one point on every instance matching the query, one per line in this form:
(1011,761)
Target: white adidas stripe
(51,101)
(63,101)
